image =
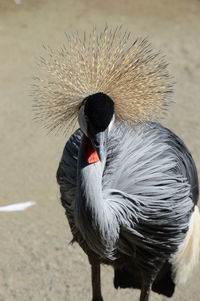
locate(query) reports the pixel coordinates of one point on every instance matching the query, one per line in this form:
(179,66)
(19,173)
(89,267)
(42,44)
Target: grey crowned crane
(129,185)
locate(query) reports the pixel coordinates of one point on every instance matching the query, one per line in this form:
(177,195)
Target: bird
(129,185)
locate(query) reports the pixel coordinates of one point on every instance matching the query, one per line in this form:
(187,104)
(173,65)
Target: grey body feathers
(144,195)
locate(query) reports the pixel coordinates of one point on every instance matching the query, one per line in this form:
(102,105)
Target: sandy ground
(36,262)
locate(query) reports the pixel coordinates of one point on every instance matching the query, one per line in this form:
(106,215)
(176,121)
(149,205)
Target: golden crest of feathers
(131,74)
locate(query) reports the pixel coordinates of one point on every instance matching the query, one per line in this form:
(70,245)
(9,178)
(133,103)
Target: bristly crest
(131,74)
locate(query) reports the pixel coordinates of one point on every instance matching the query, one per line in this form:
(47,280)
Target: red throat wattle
(90,152)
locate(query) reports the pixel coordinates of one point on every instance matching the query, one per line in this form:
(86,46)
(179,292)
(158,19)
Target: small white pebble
(17,207)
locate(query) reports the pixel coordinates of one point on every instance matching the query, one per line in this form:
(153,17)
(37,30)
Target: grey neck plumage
(93,217)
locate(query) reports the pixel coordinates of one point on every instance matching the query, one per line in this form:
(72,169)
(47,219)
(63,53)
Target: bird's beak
(99,143)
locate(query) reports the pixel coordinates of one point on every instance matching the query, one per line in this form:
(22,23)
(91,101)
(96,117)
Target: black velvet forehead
(99,109)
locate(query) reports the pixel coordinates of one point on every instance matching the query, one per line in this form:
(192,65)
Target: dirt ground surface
(36,262)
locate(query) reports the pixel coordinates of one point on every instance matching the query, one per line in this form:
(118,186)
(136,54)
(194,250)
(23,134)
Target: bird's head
(96,116)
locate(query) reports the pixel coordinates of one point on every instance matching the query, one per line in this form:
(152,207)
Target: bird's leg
(145,290)
(96,282)
(147,281)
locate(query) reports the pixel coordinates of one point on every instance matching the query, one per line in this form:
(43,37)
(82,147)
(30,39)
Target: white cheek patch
(111,124)
(82,120)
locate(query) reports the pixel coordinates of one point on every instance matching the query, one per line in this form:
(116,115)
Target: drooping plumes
(130,73)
